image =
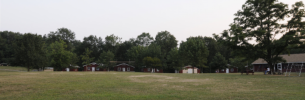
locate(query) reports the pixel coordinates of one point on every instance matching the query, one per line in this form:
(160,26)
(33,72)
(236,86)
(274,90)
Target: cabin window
(128,68)
(157,70)
(119,68)
(222,69)
(97,68)
(232,69)
(88,68)
(148,69)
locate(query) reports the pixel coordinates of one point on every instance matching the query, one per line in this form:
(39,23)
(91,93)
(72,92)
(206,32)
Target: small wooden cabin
(124,68)
(153,70)
(92,67)
(189,69)
(227,70)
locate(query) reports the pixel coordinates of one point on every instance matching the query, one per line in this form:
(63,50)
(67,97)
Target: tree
(86,57)
(194,52)
(31,51)
(7,47)
(218,62)
(121,54)
(144,39)
(174,59)
(95,44)
(166,40)
(239,62)
(64,34)
(105,59)
(60,57)
(152,62)
(112,43)
(259,21)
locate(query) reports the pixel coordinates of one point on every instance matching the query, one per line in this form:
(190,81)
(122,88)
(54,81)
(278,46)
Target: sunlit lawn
(137,85)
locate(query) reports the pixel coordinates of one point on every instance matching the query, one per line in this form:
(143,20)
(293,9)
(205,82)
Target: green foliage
(60,57)
(194,52)
(93,43)
(121,54)
(166,41)
(152,62)
(8,44)
(105,59)
(218,62)
(174,59)
(86,57)
(31,51)
(62,34)
(144,39)
(259,21)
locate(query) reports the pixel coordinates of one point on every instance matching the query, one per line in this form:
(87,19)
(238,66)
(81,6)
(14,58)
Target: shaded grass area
(151,86)
(12,68)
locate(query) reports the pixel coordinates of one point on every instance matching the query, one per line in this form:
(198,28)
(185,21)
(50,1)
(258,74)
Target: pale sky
(123,18)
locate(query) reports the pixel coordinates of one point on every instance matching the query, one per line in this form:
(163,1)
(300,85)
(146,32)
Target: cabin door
(93,69)
(123,69)
(189,70)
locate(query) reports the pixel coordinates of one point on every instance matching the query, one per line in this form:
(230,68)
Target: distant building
(152,70)
(124,68)
(189,69)
(261,65)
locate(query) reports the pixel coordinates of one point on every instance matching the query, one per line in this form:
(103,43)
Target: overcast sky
(123,18)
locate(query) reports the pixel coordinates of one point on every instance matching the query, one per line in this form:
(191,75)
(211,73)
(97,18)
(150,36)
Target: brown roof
(292,58)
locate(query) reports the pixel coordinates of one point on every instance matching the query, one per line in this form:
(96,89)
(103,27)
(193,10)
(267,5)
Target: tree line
(251,36)
(60,49)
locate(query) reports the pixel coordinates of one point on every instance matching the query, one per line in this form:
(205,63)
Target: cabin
(124,68)
(189,69)
(92,67)
(227,70)
(152,70)
(294,61)
(72,69)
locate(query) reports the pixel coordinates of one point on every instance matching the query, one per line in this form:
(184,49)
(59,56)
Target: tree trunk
(193,70)
(28,68)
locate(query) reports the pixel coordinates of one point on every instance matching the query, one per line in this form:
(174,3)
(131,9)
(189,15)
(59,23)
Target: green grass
(12,68)
(151,86)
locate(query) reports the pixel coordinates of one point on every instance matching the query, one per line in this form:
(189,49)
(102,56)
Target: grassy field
(11,69)
(136,85)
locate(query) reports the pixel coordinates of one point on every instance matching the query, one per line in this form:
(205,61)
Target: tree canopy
(256,26)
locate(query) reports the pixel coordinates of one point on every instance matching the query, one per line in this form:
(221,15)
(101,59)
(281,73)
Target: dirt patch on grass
(162,78)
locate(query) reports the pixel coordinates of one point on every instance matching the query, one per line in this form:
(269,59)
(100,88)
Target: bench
(247,72)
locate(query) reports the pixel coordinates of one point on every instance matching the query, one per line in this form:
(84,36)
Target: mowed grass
(151,86)
(12,68)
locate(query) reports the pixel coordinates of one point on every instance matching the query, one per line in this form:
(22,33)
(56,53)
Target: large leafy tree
(95,44)
(121,54)
(8,41)
(86,58)
(174,59)
(144,39)
(194,52)
(105,59)
(31,51)
(64,34)
(167,42)
(60,57)
(136,53)
(112,43)
(218,62)
(256,26)
(152,62)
